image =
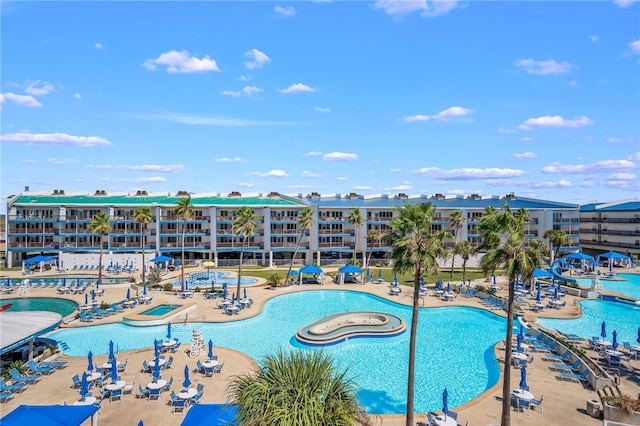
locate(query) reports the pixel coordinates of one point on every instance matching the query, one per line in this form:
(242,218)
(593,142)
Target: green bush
(197,290)
(167,287)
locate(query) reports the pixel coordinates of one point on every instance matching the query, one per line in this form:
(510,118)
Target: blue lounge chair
(20,378)
(14,388)
(566,367)
(37,369)
(557,357)
(581,377)
(59,365)
(5,396)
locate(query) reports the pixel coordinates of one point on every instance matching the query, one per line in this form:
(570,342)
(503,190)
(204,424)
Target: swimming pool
(160,310)
(454,350)
(218,278)
(619,316)
(629,286)
(61,279)
(52,304)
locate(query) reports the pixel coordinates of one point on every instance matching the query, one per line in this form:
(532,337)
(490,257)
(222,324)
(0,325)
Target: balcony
(286,232)
(593,243)
(303,246)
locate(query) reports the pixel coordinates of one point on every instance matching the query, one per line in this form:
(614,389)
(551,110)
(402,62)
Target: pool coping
(138,320)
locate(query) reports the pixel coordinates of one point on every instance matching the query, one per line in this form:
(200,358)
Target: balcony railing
(610,244)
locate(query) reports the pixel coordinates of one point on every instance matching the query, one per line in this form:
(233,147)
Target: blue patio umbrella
(169,330)
(224,292)
(555,292)
(448,287)
(114,370)
(614,339)
(395,278)
(445,402)
(156,369)
(521,333)
(523,378)
(245,293)
(93,295)
(97,284)
(84,387)
(603,330)
(90,361)
(140,423)
(128,293)
(111,355)
(538,294)
(438,284)
(519,342)
(86,299)
(638,339)
(144,289)
(186,382)
(210,354)
(233,297)
(156,352)
(494,280)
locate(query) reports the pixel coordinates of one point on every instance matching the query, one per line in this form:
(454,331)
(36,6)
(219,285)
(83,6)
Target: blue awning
(350,269)
(539,273)
(50,415)
(578,255)
(311,269)
(211,415)
(161,258)
(612,255)
(38,259)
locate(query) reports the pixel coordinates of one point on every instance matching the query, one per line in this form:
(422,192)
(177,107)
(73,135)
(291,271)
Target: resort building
(57,223)
(611,226)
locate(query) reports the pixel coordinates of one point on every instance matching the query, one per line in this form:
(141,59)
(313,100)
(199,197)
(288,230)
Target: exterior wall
(609,228)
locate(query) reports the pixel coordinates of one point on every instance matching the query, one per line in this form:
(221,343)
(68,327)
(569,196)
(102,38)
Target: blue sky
(536,98)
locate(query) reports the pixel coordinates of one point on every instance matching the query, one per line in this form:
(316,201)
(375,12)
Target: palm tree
(464,249)
(456,220)
(143,217)
(557,238)
(305,221)
(245,224)
(372,236)
(356,220)
(184,210)
(415,250)
(502,236)
(100,225)
(298,388)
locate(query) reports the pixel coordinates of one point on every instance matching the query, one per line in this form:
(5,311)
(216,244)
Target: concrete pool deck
(564,402)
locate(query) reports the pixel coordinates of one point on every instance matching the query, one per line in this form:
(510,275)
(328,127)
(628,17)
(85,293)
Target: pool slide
(557,275)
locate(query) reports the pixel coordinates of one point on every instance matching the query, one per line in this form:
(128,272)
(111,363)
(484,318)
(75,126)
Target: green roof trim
(119,200)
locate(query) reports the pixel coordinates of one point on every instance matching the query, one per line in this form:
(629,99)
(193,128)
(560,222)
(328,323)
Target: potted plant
(622,409)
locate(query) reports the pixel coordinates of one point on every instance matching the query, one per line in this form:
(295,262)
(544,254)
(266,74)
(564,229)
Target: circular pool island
(337,328)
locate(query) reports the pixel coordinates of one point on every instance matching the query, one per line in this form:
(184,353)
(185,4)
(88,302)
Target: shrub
(623,402)
(274,279)
(167,287)
(197,290)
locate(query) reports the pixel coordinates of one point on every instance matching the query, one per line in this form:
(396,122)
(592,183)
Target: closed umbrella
(603,330)
(448,287)
(114,370)
(84,387)
(245,293)
(169,330)
(538,294)
(233,297)
(519,342)
(86,299)
(638,339)
(90,361)
(186,382)
(156,369)
(128,293)
(156,352)
(555,292)
(93,295)
(445,402)
(111,355)
(144,289)
(494,280)
(523,378)
(210,354)
(614,339)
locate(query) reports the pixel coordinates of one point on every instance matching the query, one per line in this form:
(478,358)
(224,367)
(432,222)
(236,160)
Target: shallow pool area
(620,316)
(455,345)
(160,310)
(52,304)
(214,280)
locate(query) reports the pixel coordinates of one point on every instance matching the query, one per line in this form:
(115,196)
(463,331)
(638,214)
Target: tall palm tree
(557,238)
(143,217)
(502,237)
(356,220)
(414,250)
(184,210)
(245,224)
(298,388)
(100,225)
(372,236)
(464,249)
(305,221)
(456,220)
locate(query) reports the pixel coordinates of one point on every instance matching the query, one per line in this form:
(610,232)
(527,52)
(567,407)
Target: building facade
(57,224)
(611,226)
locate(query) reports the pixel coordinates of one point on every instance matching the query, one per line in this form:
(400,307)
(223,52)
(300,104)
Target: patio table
(115,386)
(93,376)
(90,400)
(211,363)
(443,420)
(161,362)
(157,385)
(168,343)
(187,393)
(522,394)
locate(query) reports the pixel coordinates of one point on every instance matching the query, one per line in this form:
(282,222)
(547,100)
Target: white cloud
(22,100)
(603,166)
(633,184)
(572,83)
(246,91)
(562,183)
(55,139)
(339,156)
(505,130)
(153,179)
(588,184)
(297,88)
(244,78)
(29,161)
(342,179)
(445,115)
(555,121)
(427,8)
(362,188)
(257,59)
(38,88)
(593,38)
(619,140)
(54,160)
(155,168)
(624,3)
(634,157)
(235,94)
(404,187)
(635,46)
(624,176)
(77,96)
(181,62)
(313,154)
(199,120)
(99,46)
(321,109)
(307,174)
(246,185)
(285,11)
(271,174)
(226,159)
(395,170)
(523,155)
(469,173)
(548,67)
(525,139)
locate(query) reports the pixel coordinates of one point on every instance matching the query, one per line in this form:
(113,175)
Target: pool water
(218,278)
(454,350)
(160,310)
(619,316)
(630,287)
(58,279)
(52,304)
